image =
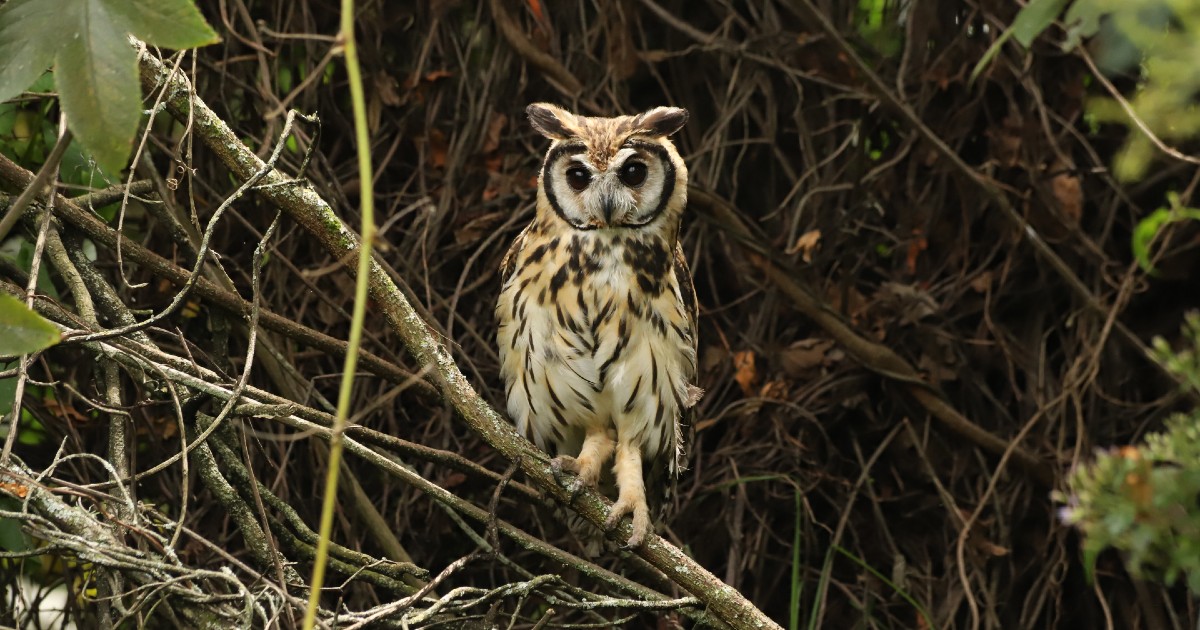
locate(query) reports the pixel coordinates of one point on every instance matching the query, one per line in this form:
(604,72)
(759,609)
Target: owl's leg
(597,448)
(631,497)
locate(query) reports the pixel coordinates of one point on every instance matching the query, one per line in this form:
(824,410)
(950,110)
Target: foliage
(1162,41)
(1160,38)
(21,330)
(95,66)
(1142,500)
(1029,23)
(1150,227)
(861,485)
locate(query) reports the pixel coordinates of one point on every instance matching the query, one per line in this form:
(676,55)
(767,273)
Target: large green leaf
(1029,23)
(95,66)
(1034,18)
(167,23)
(21,330)
(30,33)
(96,76)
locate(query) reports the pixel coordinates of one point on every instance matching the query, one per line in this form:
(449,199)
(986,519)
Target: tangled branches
(918,309)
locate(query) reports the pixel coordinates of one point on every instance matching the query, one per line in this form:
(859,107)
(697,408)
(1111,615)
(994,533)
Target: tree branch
(305,206)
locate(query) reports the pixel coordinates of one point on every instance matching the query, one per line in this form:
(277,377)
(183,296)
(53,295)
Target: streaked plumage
(598,314)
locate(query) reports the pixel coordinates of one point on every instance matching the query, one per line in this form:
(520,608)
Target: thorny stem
(346,39)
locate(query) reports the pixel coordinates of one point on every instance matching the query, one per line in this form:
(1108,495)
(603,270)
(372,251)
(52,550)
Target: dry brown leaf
(1005,142)
(166,426)
(454,479)
(491,137)
(775,390)
(1068,193)
(428,77)
(850,302)
(66,412)
(437,148)
(911,303)
(18,490)
(806,244)
(386,88)
(746,373)
(804,356)
(535,7)
(917,245)
(983,282)
(327,314)
(936,371)
(712,356)
(475,229)
(655,56)
(991,548)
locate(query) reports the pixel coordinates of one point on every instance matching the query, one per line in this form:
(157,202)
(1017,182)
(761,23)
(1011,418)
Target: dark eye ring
(578,177)
(633,173)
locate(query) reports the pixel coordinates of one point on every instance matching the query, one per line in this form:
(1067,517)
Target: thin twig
(307,208)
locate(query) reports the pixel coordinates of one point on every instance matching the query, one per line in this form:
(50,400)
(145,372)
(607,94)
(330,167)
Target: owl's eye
(633,174)
(578,177)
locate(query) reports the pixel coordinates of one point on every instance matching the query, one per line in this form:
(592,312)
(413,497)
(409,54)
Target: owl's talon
(641,521)
(561,466)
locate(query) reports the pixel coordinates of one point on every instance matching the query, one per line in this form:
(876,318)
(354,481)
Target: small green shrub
(1145,500)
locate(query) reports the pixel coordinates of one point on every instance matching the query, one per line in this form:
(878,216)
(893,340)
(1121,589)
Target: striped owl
(597,315)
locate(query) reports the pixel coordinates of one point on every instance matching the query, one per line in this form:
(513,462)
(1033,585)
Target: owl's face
(619,172)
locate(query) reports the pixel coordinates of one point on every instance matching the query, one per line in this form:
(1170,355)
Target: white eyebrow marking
(584,162)
(622,155)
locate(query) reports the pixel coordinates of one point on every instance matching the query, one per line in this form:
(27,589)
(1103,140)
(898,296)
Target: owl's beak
(608,206)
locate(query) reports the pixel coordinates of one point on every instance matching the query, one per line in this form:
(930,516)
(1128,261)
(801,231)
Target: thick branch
(305,206)
(141,358)
(13,176)
(873,356)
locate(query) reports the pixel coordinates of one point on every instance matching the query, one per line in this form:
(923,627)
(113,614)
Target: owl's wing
(666,467)
(687,290)
(508,264)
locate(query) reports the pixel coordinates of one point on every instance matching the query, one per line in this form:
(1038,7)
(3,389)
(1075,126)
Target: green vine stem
(349,50)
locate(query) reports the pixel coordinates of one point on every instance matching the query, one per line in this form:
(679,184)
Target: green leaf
(95,65)
(30,33)
(1028,24)
(167,23)
(1144,234)
(1034,18)
(1148,228)
(21,330)
(96,75)
(11,536)
(8,389)
(1083,21)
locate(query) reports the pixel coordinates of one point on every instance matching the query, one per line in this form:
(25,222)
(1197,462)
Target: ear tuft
(551,121)
(661,121)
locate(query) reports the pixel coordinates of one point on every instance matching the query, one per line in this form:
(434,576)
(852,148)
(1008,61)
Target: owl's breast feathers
(597,329)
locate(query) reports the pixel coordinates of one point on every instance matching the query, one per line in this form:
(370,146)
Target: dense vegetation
(930,264)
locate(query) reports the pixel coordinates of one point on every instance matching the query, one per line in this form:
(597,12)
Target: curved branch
(67,210)
(303,205)
(873,356)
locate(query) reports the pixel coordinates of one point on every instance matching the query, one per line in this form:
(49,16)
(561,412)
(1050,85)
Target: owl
(597,314)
